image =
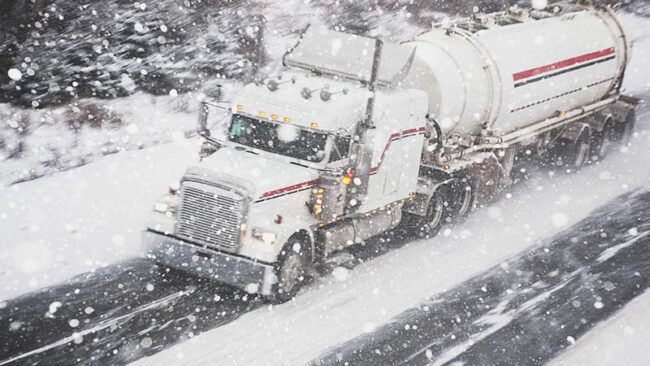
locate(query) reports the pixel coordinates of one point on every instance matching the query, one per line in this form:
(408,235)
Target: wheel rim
(291,273)
(581,156)
(466,197)
(606,142)
(436,214)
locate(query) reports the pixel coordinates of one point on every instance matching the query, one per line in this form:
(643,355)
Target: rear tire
(624,131)
(464,193)
(571,155)
(429,225)
(436,214)
(602,142)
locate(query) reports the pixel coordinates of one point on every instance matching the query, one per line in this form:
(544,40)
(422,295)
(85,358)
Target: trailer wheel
(623,131)
(602,142)
(291,271)
(573,155)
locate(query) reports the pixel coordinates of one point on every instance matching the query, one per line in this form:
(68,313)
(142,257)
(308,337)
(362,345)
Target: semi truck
(354,137)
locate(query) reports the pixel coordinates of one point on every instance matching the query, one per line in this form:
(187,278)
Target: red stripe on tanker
(563,64)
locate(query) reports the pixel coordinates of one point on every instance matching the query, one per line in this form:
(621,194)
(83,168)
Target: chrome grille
(209,215)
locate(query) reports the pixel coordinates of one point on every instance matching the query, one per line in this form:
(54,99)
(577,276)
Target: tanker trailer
(508,88)
(498,73)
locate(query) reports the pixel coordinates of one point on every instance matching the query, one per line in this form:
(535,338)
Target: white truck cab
(257,199)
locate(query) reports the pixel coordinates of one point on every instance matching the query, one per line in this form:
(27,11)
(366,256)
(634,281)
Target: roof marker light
(262,114)
(287,119)
(240,107)
(313,125)
(274,116)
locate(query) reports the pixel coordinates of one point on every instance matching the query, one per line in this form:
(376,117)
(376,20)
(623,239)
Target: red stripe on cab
(289,188)
(310,183)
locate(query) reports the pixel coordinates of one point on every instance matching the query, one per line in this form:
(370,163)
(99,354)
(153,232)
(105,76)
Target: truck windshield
(284,139)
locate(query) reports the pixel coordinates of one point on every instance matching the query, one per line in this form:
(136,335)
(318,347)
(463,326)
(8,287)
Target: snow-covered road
(621,340)
(88,219)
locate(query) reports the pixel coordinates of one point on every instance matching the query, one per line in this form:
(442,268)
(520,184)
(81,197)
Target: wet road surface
(113,316)
(527,309)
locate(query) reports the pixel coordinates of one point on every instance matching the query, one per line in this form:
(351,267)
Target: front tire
(291,272)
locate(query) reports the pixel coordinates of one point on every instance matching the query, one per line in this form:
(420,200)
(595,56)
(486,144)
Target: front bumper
(226,268)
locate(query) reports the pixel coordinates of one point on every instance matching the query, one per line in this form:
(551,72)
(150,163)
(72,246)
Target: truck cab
(279,188)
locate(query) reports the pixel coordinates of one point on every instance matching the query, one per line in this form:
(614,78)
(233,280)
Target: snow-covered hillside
(158,60)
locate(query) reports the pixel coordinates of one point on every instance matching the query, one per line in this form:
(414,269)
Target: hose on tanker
(435,125)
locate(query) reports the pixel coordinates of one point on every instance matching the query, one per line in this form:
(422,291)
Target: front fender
(285,216)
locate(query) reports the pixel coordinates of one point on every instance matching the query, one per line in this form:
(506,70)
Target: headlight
(161,207)
(166,205)
(265,236)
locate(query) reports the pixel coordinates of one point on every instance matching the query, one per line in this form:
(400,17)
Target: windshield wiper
(302,165)
(243,148)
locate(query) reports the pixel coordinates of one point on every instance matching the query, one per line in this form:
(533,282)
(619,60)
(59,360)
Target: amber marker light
(348,177)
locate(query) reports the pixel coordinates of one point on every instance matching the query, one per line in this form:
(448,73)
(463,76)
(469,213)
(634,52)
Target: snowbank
(34,143)
(75,221)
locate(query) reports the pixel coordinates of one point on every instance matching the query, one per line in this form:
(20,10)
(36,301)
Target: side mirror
(210,114)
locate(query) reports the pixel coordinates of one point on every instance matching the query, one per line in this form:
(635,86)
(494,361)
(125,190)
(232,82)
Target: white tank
(501,72)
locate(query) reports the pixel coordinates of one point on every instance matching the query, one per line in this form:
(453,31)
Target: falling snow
(98,110)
